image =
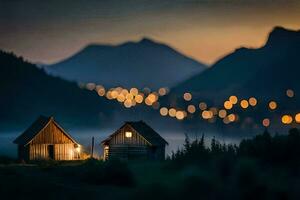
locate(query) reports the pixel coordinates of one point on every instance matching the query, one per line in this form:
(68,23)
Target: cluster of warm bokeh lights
(133,96)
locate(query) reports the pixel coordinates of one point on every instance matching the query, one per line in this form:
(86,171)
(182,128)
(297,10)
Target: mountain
(27,92)
(264,72)
(132,64)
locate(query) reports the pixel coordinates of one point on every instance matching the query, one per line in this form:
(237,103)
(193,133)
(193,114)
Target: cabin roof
(145,131)
(36,128)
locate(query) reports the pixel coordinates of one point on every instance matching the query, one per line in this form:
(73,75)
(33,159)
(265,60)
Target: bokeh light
(227,105)
(187,96)
(222,113)
(272,105)
(297,118)
(266,122)
(202,106)
(180,115)
(286,119)
(252,101)
(191,109)
(233,99)
(290,93)
(244,104)
(164,111)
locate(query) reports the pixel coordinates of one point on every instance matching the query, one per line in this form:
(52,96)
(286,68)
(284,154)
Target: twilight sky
(206,30)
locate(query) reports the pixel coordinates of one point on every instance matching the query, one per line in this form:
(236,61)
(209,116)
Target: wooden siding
(61,152)
(135,147)
(136,139)
(51,134)
(63,147)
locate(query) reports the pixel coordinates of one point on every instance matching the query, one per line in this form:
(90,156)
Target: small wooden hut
(45,140)
(134,140)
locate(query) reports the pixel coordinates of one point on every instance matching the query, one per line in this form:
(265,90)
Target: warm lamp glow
(128,134)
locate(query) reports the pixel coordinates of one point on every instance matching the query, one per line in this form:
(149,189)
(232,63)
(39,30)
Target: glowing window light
(266,122)
(202,106)
(180,115)
(134,91)
(191,109)
(227,105)
(233,99)
(164,111)
(244,104)
(290,93)
(172,112)
(297,118)
(222,113)
(252,101)
(128,134)
(272,105)
(286,119)
(139,98)
(206,114)
(187,96)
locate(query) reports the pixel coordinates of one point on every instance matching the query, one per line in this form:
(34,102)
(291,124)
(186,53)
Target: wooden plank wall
(51,135)
(61,152)
(64,148)
(120,138)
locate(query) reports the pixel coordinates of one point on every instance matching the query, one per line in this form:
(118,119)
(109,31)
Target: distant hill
(27,92)
(133,64)
(265,73)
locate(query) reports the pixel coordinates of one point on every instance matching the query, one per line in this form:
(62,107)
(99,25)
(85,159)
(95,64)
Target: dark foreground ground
(265,167)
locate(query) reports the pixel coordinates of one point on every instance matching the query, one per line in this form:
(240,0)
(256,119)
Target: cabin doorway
(51,151)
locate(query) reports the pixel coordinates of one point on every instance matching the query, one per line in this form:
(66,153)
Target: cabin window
(128,134)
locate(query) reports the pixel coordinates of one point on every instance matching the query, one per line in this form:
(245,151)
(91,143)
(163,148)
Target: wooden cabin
(45,140)
(134,140)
